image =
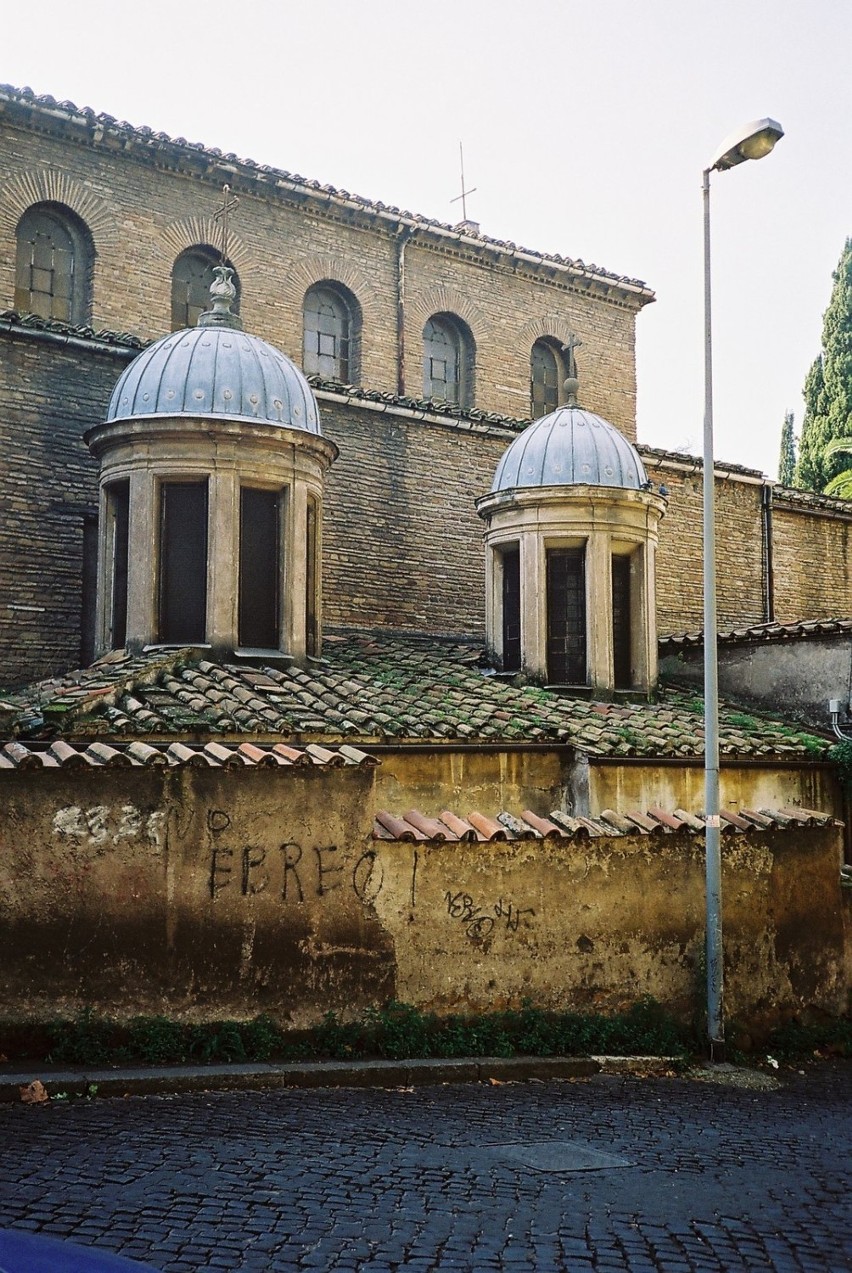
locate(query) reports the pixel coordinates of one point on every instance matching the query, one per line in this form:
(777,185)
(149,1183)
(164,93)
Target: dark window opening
(511,561)
(192,275)
(260,569)
(621,623)
(327,335)
(311,618)
(183,562)
(53,264)
(566,616)
(88,588)
(118,511)
(545,378)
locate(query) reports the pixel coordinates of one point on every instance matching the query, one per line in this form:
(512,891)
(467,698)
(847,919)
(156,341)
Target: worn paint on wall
(681,786)
(206,894)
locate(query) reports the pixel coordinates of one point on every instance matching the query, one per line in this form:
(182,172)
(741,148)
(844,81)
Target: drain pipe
(768,560)
(405,233)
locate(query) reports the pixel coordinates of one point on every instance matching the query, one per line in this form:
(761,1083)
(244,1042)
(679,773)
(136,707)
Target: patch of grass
(796,1040)
(396,1031)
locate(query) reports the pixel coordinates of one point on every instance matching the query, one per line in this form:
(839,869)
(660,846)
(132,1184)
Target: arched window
(447,360)
(547,372)
(55,254)
(331,328)
(192,275)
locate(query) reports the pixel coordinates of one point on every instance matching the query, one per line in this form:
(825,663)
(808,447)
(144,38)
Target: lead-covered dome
(216,370)
(570,447)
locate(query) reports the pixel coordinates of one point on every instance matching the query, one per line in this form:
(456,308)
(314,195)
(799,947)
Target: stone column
(142,564)
(223,556)
(533,604)
(294,635)
(599,610)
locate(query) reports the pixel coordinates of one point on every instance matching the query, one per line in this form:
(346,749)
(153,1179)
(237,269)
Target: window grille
(53,264)
(566,616)
(327,327)
(192,275)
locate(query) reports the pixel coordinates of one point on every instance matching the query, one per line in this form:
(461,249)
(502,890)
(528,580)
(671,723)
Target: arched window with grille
(547,372)
(331,333)
(55,256)
(192,274)
(448,360)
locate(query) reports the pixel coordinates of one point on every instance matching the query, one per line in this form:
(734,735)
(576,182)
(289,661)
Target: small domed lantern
(571,537)
(211,483)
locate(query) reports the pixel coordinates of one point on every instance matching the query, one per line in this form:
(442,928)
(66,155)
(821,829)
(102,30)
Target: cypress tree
(787,458)
(828,387)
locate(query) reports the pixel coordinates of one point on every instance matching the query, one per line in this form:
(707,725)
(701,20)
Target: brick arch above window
(47,186)
(192,232)
(446,300)
(551,328)
(333,270)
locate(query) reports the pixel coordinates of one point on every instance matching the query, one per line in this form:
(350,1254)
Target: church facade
(270,470)
(428,346)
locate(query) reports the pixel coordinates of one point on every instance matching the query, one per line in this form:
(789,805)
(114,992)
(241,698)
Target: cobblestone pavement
(604,1175)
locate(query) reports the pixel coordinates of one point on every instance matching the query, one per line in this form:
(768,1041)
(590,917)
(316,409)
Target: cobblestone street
(605,1174)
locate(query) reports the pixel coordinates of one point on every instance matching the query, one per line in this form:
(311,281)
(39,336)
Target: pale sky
(586,127)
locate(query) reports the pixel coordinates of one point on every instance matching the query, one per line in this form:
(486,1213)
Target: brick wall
(813,565)
(49,483)
(402,544)
(740,565)
(143,208)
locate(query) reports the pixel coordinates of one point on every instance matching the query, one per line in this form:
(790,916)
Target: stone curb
(173,1079)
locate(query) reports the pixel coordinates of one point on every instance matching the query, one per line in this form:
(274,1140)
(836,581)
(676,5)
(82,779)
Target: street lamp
(752,142)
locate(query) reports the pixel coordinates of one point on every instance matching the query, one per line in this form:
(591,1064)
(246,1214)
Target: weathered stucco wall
(801,675)
(210,894)
(681,786)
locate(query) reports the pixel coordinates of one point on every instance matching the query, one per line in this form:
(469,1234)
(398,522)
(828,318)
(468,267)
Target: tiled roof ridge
(61,753)
(265,172)
(790,630)
(427,406)
(655,822)
(812,499)
(694,461)
(12,318)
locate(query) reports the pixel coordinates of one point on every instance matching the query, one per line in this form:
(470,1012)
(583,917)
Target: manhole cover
(559,1155)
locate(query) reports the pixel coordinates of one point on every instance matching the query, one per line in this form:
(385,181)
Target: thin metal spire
(464,193)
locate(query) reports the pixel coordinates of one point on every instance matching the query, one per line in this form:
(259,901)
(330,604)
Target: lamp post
(752,142)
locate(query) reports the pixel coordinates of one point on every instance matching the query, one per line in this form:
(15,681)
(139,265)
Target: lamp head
(751,142)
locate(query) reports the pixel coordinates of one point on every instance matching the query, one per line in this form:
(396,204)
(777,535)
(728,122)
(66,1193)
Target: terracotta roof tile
(70,755)
(760,633)
(414,825)
(368,689)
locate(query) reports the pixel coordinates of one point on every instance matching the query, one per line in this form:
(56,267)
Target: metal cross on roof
(464,193)
(229,202)
(568,347)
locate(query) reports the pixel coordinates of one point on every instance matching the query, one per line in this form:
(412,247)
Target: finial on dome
(571,385)
(222,295)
